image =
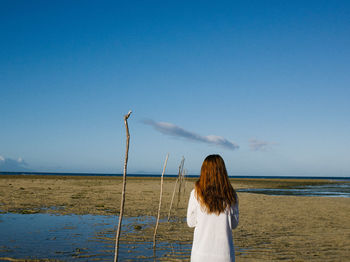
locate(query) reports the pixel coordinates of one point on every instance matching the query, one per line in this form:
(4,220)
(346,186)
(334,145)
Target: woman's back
(212,240)
(213,211)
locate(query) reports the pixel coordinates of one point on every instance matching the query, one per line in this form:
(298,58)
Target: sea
(338,178)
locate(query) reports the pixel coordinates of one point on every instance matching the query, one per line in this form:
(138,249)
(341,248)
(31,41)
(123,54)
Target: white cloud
(176,131)
(259,145)
(11,165)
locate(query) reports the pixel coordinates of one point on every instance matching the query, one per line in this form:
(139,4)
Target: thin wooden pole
(181,168)
(177,180)
(160,201)
(185,181)
(124,186)
(172,198)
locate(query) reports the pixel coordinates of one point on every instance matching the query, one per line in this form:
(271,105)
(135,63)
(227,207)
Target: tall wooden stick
(184,178)
(172,198)
(124,186)
(160,201)
(181,169)
(177,180)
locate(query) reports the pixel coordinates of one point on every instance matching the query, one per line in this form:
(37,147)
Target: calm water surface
(326,190)
(73,237)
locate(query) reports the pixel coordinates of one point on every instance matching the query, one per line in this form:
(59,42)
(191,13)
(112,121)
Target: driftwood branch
(124,186)
(172,199)
(184,178)
(181,174)
(177,180)
(160,201)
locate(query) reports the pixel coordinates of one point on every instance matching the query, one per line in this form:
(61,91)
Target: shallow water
(327,190)
(84,237)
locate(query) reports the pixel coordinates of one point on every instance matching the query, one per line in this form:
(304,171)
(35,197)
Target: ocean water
(338,178)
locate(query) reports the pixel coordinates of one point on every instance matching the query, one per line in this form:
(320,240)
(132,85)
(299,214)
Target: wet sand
(271,228)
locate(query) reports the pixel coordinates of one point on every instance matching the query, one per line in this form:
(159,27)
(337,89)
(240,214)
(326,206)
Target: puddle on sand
(81,238)
(328,190)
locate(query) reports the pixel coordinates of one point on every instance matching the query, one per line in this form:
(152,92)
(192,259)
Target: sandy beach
(271,228)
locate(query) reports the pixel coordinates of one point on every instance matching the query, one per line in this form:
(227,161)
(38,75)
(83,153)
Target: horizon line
(158,175)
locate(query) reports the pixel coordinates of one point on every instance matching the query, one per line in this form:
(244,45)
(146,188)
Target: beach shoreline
(271,228)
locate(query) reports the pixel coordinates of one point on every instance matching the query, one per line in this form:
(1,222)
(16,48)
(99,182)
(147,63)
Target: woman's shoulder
(193,193)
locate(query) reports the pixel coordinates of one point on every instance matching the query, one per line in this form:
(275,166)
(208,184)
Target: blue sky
(266,84)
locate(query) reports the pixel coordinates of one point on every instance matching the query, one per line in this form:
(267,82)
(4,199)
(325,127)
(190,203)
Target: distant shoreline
(167,175)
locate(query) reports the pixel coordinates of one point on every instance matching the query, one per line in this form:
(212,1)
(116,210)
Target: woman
(213,211)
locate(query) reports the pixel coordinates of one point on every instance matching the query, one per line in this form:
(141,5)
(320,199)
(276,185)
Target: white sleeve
(234,216)
(192,211)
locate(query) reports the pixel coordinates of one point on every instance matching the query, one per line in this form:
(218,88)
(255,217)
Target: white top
(212,240)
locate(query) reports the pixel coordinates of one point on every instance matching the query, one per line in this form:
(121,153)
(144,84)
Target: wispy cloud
(259,145)
(9,164)
(176,131)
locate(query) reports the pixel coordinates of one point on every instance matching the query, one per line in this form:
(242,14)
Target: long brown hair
(213,188)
